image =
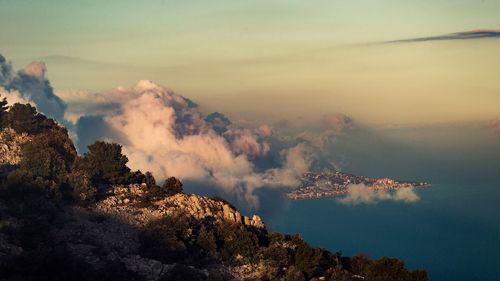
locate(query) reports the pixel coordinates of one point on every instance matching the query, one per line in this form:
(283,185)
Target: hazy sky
(272,59)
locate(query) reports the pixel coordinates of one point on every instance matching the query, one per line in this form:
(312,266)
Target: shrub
(137,177)
(277,255)
(42,160)
(83,191)
(48,159)
(307,259)
(166,239)
(172,186)
(27,201)
(149,179)
(237,240)
(206,240)
(20,186)
(418,275)
(391,269)
(358,263)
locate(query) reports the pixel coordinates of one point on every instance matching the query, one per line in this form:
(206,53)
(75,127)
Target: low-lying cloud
(362,194)
(31,85)
(167,134)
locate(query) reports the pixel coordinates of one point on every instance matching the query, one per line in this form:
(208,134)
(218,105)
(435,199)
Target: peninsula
(332,184)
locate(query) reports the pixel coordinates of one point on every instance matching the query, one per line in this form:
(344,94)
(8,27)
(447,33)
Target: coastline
(336,184)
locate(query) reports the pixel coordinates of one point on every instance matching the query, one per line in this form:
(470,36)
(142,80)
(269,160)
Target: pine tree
(149,180)
(105,164)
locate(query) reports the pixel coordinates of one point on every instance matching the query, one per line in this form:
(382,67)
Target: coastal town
(332,184)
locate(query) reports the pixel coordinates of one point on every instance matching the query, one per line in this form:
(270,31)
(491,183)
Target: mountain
(65,216)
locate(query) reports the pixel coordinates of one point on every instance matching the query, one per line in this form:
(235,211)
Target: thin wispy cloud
(466,35)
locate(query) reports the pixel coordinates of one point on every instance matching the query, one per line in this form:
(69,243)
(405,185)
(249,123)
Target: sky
(273,60)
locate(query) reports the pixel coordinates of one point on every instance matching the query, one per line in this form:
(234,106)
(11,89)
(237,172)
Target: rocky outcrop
(230,214)
(10,146)
(126,203)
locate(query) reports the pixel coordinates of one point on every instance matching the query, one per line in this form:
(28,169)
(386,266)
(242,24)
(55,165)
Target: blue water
(453,231)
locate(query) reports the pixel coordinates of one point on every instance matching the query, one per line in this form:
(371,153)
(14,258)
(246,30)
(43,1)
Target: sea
(452,231)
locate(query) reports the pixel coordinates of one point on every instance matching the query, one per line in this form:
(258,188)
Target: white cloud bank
(166,134)
(362,194)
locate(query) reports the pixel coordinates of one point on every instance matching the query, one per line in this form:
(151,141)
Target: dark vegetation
(170,187)
(51,176)
(202,243)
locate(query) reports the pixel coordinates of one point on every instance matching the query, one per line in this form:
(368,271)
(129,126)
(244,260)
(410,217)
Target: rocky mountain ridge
(125,203)
(65,216)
